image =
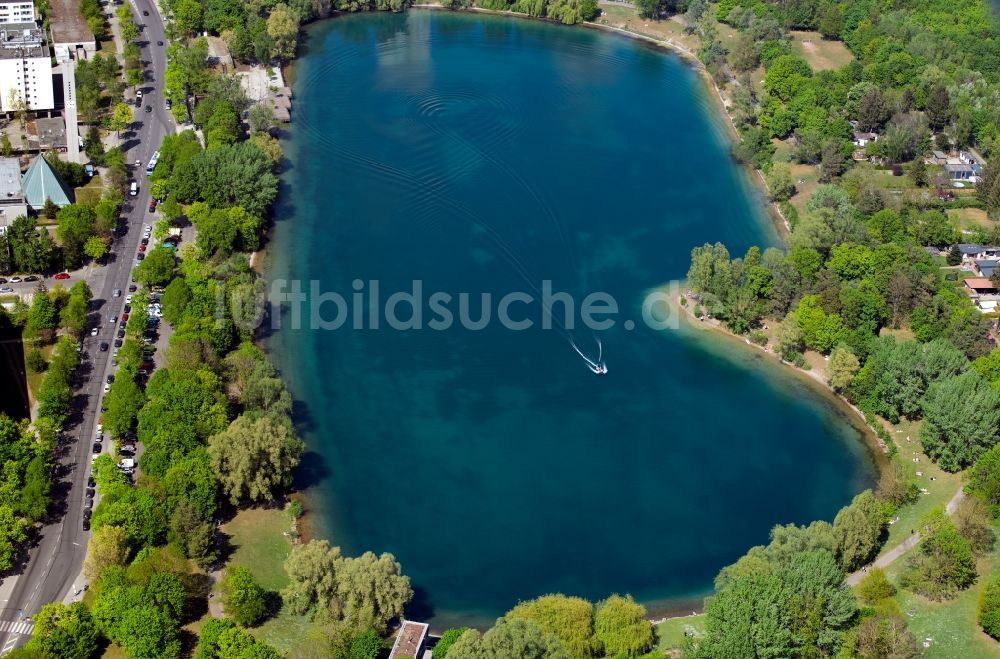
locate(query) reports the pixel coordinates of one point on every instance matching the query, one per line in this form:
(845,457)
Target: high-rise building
(25,68)
(16,11)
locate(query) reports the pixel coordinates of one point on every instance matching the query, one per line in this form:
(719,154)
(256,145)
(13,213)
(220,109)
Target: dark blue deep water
(480,154)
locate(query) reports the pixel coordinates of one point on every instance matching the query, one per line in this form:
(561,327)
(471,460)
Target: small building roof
(971,248)
(67,24)
(51,132)
(10,181)
(979,283)
(41,182)
(940,155)
(960,167)
(987,266)
(409,640)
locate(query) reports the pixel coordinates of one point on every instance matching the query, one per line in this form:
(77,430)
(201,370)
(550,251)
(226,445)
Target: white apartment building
(16,11)
(25,68)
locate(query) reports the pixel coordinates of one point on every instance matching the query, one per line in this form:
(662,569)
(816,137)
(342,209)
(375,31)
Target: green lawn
(671,633)
(258,538)
(260,542)
(951,626)
(91,192)
(939,491)
(822,54)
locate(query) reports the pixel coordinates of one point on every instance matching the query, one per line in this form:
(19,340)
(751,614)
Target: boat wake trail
(597,366)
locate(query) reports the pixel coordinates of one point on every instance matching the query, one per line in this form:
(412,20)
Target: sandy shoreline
(717,332)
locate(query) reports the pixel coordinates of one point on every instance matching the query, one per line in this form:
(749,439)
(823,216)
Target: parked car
(125,317)
(61,275)
(104,346)
(132,288)
(97,448)
(31,278)
(15,280)
(107,387)
(113,319)
(6,289)
(118,343)
(86,523)
(121,333)
(117,293)
(94,331)
(167,105)
(111,378)
(140,256)
(91,483)
(144,241)
(142,248)
(152,205)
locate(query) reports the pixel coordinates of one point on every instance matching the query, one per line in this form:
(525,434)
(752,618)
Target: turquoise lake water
(482,154)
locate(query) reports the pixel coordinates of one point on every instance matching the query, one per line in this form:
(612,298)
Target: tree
(49,209)
(371,591)
(938,107)
(107,547)
(13,532)
(944,564)
(954,255)
(120,118)
(989,608)
(95,247)
(820,331)
(156,269)
(842,367)
(621,626)
(787,338)
(123,403)
(786,76)
(858,530)
(448,638)
(261,118)
(918,172)
(984,479)
(283,28)
(885,636)
(961,420)
(255,458)
(244,599)
(875,587)
(312,574)
(800,609)
(67,632)
(780,183)
(509,638)
(649,8)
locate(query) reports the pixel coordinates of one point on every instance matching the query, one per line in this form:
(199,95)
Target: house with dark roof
(959,171)
(972,253)
(986,267)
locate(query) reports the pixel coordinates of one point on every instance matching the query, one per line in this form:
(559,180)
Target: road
(57,557)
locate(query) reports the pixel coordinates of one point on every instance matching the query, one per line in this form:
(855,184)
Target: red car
(152,205)
(124,318)
(61,275)
(142,248)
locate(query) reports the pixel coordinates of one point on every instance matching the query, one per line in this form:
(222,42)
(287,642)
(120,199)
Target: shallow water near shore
(482,154)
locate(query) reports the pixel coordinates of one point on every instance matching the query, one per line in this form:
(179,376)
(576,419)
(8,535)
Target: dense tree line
(557,627)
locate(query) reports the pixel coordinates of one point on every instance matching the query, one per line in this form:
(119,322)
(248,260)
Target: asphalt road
(57,557)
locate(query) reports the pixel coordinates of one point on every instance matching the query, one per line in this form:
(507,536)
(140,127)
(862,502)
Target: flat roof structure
(51,133)
(69,29)
(22,40)
(409,640)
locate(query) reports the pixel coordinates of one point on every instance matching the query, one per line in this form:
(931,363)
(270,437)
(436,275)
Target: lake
(489,155)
